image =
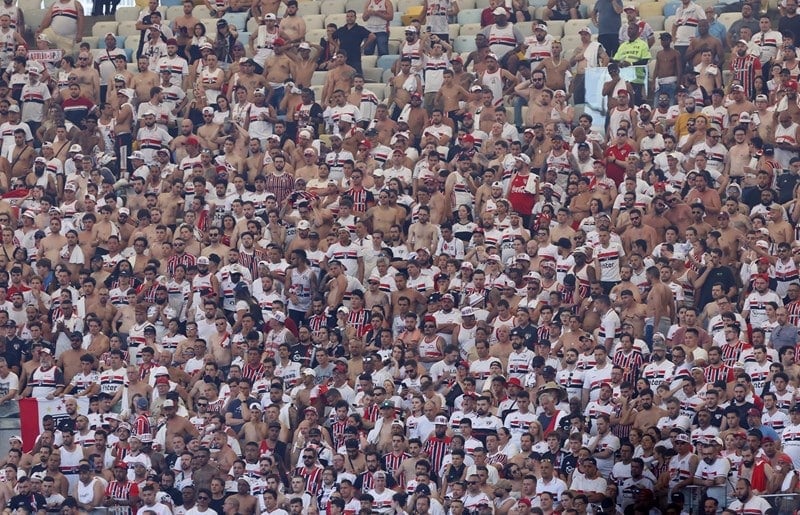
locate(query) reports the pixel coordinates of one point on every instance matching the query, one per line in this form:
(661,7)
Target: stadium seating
(318,79)
(469,16)
(670,8)
(128,28)
(126,14)
(331,7)
(386,61)
(727,19)
(176,11)
(470,29)
(572,27)
(339,19)
(314,21)
(464,44)
(647,9)
(355,5)
(656,22)
(100,29)
(373,74)
(238,20)
(668,23)
(306,8)
(369,61)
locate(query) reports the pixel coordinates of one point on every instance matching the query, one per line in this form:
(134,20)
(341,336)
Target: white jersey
(777,421)
(609,258)
(790,439)
(756,304)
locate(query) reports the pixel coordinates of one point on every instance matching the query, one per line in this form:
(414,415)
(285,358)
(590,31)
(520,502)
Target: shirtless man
(183,25)
(555,68)
(261,7)
(340,77)
(21,156)
(277,68)
(292,28)
(423,234)
(304,64)
(540,108)
(209,131)
(411,295)
(450,96)
(668,67)
(383,216)
(145,79)
(403,85)
(336,286)
(88,77)
(660,302)
(641,412)
(385,126)
(246,77)
(176,425)
(637,230)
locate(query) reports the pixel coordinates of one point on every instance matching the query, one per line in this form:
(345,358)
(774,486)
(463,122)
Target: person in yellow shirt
(634,52)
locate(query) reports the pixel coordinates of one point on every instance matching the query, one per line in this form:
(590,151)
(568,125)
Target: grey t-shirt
(608,20)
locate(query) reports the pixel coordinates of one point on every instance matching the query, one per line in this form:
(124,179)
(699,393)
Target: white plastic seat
(128,28)
(368,61)
(556,28)
(126,14)
(464,44)
(314,36)
(339,19)
(176,11)
(469,16)
(100,29)
(373,74)
(355,5)
(307,7)
(571,27)
(332,7)
(656,22)
(470,29)
(318,79)
(314,21)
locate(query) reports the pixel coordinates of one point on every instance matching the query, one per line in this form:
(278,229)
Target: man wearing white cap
(502,36)
(261,41)
(151,136)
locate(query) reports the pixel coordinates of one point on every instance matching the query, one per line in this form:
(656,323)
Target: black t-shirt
(791,25)
(350,39)
(31,502)
(717,414)
(720,274)
(568,464)
(217,504)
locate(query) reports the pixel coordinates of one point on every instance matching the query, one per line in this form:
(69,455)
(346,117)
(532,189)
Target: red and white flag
(32,411)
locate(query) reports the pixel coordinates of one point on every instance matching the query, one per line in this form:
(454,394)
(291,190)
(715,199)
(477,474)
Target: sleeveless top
(65,18)
(494,81)
(301,286)
(375,24)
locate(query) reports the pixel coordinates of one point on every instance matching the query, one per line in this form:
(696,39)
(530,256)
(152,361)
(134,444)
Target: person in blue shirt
(715,28)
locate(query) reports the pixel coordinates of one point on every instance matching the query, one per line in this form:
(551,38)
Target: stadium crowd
(250,295)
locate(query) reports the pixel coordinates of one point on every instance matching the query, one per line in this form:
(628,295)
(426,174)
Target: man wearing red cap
(121,492)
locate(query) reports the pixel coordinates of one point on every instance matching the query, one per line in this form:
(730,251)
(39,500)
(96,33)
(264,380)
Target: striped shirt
(745,69)
(281,185)
(436,449)
(184,259)
(122,491)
